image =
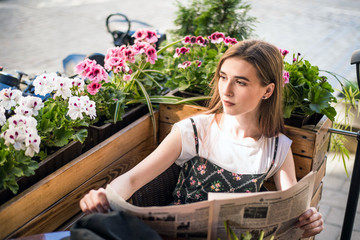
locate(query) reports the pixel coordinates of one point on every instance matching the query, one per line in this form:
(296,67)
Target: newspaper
(274,212)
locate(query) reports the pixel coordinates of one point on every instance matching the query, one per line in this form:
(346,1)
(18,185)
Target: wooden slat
(171,113)
(46,192)
(320,155)
(68,207)
(303,165)
(307,140)
(317,196)
(164,130)
(320,175)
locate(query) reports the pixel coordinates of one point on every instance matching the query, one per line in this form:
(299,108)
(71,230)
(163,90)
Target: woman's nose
(227,88)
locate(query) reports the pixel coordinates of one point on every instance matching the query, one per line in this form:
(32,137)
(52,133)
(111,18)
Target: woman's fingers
(95,201)
(311,222)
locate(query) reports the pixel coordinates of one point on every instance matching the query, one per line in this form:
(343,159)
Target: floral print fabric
(199,176)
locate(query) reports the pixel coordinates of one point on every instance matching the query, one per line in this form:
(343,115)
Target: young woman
(234,147)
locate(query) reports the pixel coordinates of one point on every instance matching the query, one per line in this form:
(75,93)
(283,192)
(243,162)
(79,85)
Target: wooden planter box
(53,203)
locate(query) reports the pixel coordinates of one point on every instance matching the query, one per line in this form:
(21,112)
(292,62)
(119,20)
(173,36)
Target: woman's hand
(95,201)
(311,222)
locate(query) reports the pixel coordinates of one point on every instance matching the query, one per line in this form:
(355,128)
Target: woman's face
(240,89)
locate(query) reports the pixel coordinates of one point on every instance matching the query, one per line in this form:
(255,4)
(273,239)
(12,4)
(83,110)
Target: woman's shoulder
(283,137)
(199,119)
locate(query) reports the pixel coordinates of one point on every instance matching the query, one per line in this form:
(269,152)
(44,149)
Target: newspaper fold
(274,212)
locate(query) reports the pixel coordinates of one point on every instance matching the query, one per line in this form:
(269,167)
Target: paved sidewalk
(35,35)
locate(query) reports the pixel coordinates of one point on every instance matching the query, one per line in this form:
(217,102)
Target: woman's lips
(227,103)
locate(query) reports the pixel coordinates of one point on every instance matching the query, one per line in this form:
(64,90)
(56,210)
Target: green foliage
(14,164)
(207,16)
(307,92)
(196,77)
(110,103)
(56,128)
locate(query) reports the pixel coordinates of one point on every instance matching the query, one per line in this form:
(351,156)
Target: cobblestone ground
(35,35)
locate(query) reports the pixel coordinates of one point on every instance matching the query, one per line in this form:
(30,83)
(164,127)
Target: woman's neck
(240,127)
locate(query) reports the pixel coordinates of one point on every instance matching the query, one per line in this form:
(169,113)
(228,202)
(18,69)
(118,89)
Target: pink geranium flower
(93,88)
(217,37)
(89,69)
(201,41)
(283,52)
(286,77)
(145,35)
(151,36)
(184,65)
(187,39)
(97,74)
(151,55)
(181,51)
(230,41)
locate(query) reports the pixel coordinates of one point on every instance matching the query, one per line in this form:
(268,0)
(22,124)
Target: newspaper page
(274,212)
(189,221)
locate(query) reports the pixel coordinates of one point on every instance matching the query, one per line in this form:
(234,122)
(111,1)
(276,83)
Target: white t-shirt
(226,152)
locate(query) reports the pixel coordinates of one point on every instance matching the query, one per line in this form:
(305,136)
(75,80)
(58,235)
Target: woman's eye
(222,77)
(241,83)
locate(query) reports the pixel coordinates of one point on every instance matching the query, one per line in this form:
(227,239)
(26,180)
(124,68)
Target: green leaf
(80,135)
(62,137)
(16,172)
(149,105)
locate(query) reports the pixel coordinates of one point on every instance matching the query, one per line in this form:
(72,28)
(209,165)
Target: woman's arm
(311,220)
(285,177)
(128,183)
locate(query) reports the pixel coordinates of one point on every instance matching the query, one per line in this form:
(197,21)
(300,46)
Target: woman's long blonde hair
(268,62)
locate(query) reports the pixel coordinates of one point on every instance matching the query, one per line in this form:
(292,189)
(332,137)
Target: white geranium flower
(62,87)
(88,106)
(24,110)
(75,109)
(34,103)
(44,83)
(32,143)
(9,97)
(78,85)
(22,122)
(14,136)
(2,116)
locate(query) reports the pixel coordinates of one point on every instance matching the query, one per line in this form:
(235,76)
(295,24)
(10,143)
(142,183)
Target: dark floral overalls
(199,176)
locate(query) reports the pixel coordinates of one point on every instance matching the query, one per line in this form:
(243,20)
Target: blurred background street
(36,35)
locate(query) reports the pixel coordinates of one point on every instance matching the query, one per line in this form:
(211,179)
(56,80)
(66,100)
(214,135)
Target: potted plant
(33,130)
(190,67)
(306,93)
(130,75)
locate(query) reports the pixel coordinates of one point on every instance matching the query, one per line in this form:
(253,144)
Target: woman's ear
(269,90)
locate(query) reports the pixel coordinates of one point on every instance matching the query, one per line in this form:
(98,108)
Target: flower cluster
(192,65)
(80,105)
(68,89)
(94,72)
(21,132)
(286,74)
(219,37)
(117,59)
(128,71)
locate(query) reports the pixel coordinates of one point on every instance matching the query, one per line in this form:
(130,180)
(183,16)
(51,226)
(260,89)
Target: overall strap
(275,152)
(195,136)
